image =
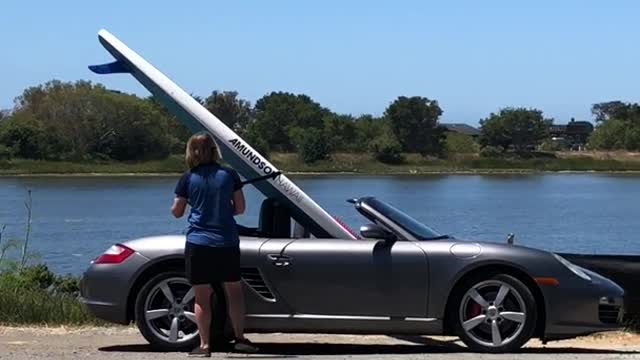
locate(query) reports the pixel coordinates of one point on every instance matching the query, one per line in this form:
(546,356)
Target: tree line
(81,120)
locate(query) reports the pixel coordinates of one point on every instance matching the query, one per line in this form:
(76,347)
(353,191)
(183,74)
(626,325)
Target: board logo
(251,156)
(288,188)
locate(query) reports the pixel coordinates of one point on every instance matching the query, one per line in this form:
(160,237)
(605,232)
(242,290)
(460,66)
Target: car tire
(501,320)
(158,331)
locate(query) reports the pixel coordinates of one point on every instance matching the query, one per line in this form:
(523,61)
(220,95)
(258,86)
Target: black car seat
(275,219)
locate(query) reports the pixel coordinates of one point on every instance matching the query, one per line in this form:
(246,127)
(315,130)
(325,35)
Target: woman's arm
(178,207)
(238,202)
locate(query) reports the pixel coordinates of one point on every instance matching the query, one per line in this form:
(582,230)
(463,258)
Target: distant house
(575,133)
(462,129)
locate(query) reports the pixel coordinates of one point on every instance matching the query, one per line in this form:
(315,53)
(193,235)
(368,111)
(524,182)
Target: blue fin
(111,68)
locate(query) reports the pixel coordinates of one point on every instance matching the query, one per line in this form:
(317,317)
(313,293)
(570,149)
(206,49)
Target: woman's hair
(201,149)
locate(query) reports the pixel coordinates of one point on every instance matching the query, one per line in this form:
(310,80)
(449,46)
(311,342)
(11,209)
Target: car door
(350,277)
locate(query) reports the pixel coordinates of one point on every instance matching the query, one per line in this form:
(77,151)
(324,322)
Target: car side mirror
(376,231)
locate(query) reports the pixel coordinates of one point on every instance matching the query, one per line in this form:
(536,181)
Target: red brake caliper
(473,310)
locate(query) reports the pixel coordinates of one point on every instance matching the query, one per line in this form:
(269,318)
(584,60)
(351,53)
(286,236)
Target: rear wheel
(165,312)
(495,314)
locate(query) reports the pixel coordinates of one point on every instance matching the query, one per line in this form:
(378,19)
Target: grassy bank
(353,163)
(173,164)
(415,164)
(35,296)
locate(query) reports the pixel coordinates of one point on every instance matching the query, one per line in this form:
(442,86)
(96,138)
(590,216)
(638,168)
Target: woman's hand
(178,207)
(238,202)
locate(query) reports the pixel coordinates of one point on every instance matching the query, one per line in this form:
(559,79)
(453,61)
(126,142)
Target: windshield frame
(397,220)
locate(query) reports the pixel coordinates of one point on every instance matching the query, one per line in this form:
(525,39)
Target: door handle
(280,260)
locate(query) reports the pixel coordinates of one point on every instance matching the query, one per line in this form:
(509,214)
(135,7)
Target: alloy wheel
(492,313)
(169,311)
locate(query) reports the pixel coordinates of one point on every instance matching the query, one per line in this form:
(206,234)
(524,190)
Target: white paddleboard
(237,152)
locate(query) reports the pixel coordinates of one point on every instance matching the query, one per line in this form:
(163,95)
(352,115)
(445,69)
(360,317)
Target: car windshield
(413,226)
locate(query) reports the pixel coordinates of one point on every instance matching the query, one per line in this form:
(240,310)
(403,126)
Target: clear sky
(474,57)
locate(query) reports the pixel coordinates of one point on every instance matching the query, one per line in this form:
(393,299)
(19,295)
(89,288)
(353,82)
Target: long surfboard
(234,150)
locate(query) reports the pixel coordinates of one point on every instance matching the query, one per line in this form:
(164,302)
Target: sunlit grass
(20,306)
(342,163)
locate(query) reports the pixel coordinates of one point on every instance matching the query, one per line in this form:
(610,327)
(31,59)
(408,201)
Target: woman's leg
(235,301)
(203,312)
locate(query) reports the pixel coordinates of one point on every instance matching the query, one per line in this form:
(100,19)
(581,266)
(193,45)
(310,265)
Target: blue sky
(474,57)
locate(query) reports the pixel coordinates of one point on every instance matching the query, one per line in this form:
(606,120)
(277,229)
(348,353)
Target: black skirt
(209,265)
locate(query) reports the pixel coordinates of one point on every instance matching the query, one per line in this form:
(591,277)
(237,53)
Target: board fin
(116,67)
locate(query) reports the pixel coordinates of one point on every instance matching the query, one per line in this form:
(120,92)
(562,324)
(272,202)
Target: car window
(413,226)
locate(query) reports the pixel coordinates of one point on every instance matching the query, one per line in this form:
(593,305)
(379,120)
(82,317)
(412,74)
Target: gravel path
(125,343)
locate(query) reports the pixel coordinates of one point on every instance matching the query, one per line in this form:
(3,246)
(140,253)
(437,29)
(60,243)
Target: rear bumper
(105,288)
(581,308)
(113,313)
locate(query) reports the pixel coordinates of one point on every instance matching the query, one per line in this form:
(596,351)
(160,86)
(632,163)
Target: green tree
(236,113)
(386,148)
(519,128)
(177,131)
(414,122)
(25,137)
(310,144)
(278,112)
(82,120)
(615,134)
(616,110)
(460,144)
(340,132)
(140,133)
(368,128)
(618,126)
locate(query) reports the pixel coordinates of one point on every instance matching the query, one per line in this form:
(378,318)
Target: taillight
(114,255)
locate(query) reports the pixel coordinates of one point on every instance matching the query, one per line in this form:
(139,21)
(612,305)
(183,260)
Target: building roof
(462,129)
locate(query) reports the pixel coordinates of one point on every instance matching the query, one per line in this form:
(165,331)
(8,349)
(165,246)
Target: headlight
(574,268)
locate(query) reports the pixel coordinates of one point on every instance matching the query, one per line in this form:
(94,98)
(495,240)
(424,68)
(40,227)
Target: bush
(25,137)
(492,151)
(259,143)
(310,144)
(35,295)
(386,149)
(460,144)
(37,277)
(609,135)
(6,152)
(554,145)
(519,128)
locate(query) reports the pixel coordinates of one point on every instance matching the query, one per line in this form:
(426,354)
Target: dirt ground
(125,343)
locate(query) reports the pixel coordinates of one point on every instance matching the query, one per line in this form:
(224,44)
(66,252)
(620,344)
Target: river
(76,218)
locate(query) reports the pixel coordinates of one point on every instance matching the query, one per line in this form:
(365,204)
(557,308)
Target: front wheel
(496,314)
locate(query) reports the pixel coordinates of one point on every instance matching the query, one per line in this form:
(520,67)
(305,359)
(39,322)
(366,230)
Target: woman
(212,251)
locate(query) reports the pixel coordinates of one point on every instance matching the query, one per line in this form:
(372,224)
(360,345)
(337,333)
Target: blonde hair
(201,149)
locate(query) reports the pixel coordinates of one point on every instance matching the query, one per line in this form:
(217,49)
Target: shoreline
(344,173)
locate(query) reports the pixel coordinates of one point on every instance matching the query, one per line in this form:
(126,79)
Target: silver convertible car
(398,277)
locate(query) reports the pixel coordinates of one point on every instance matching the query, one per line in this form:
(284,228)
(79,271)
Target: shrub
(615,134)
(37,277)
(310,143)
(491,151)
(6,152)
(387,149)
(460,144)
(33,294)
(259,143)
(554,145)
(25,137)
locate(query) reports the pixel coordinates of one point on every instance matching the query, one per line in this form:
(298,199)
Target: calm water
(76,218)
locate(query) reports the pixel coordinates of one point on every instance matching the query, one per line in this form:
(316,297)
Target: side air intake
(253,278)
